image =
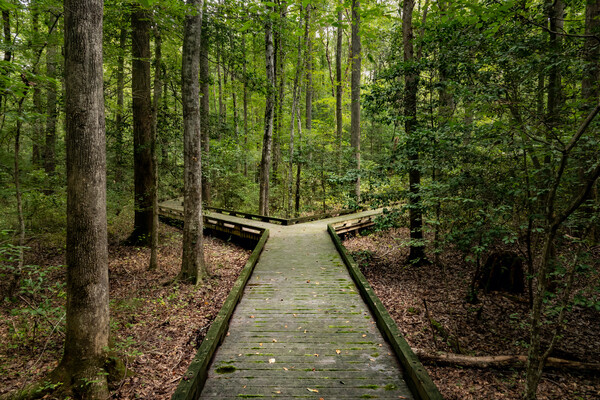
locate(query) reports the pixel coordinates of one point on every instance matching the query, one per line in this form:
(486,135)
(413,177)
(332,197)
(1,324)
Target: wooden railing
(232,228)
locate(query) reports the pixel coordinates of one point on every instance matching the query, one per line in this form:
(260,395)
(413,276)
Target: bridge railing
(240,230)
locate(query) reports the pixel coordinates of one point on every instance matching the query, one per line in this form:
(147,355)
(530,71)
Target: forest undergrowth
(155,328)
(429,305)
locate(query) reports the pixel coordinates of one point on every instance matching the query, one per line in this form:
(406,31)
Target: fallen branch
(512,361)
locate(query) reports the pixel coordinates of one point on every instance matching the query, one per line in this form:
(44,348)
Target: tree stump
(503,271)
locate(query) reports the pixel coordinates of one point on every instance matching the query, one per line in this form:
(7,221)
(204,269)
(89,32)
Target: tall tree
(51,108)
(338,82)
(309,75)
(193,267)
(205,107)
(265,163)
(120,125)
(143,165)
(156,103)
(87,315)
(411,86)
(355,93)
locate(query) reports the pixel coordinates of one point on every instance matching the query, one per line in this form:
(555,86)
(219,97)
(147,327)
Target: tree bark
(411,86)
(205,110)
(338,85)
(245,100)
(591,52)
(309,77)
(156,101)
(355,94)
(265,164)
(193,267)
(503,361)
(120,161)
(87,314)
(51,109)
(38,127)
(143,166)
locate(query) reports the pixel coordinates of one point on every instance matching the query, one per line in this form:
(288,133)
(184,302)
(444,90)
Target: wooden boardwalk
(301,329)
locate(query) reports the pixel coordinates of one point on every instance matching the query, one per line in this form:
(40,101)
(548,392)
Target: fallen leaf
(285,368)
(312,390)
(338,351)
(252,316)
(271,361)
(364,335)
(260,344)
(316,355)
(274,340)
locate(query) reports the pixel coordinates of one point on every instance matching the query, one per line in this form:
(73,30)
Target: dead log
(505,361)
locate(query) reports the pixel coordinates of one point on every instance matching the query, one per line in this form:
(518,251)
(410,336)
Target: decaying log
(505,361)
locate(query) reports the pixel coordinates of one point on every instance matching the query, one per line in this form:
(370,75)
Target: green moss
(369,387)
(375,355)
(390,386)
(226,369)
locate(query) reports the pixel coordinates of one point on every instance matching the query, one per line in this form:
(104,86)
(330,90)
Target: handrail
(192,382)
(416,376)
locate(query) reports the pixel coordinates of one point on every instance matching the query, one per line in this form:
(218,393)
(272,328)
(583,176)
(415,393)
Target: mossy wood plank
(418,378)
(193,381)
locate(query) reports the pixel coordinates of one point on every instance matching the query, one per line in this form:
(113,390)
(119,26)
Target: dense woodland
(474,122)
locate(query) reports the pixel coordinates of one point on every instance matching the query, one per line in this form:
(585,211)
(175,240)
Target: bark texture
(355,93)
(193,267)
(205,111)
(87,313)
(143,166)
(338,84)
(411,86)
(265,163)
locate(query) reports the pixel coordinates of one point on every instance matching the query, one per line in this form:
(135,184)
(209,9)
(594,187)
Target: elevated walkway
(301,328)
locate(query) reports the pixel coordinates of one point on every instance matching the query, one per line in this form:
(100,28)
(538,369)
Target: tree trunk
(265,164)
(156,102)
(338,86)
(298,164)
(87,316)
(505,361)
(411,82)
(205,111)
(7,51)
(143,166)
(51,109)
(245,101)
(120,160)
(193,267)
(295,96)
(355,93)
(309,79)
(38,127)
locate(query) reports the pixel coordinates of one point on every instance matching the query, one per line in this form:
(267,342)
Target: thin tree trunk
(338,86)
(309,78)
(295,96)
(245,107)
(7,50)
(265,164)
(205,111)
(120,160)
(411,82)
(156,101)
(87,315)
(38,127)
(19,198)
(193,267)
(355,93)
(298,164)
(51,108)
(143,168)
(221,119)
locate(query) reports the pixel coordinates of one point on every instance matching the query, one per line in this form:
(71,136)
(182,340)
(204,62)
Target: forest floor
(155,328)
(497,325)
